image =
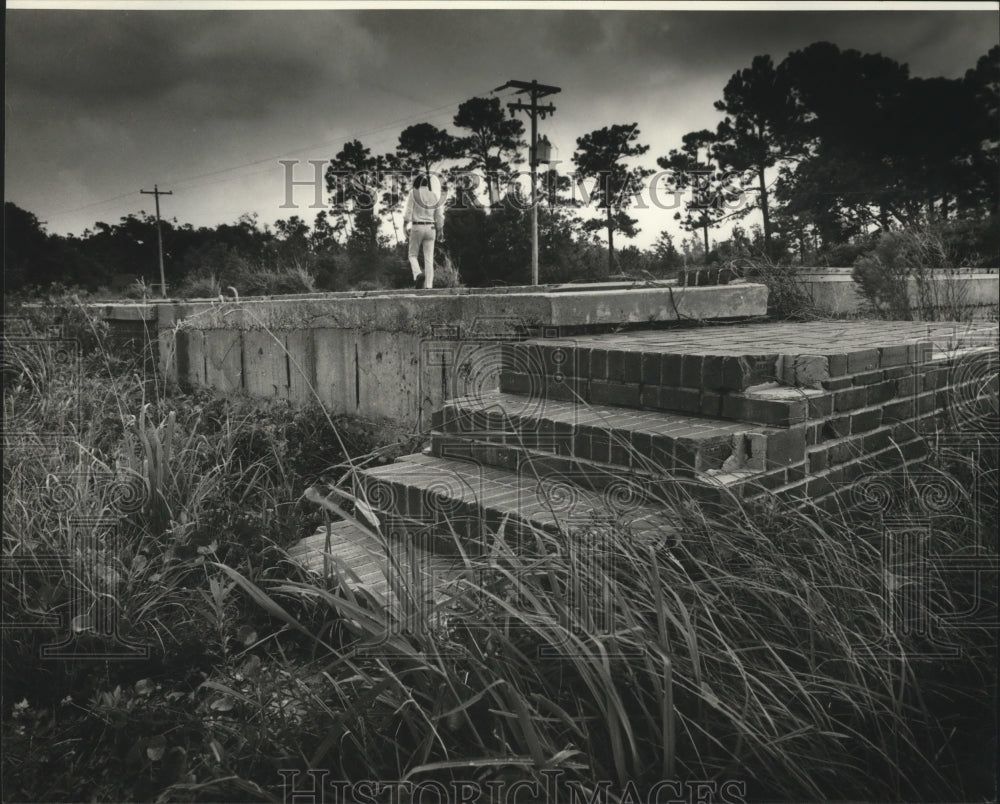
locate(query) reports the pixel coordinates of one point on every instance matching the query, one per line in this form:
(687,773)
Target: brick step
(437,495)
(774,404)
(900,430)
(660,442)
(635,363)
(648,481)
(834,357)
(834,462)
(708,360)
(834,486)
(370,562)
(769,405)
(644,482)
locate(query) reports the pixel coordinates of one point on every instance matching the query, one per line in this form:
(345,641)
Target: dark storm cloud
(572,34)
(108,59)
(598,51)
(932,42)
(89,56)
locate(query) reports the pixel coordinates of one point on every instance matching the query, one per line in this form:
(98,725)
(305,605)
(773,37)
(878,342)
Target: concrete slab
(655,305)
(486,314)
(388,377)
(401,354)
(127,311)
(837,293)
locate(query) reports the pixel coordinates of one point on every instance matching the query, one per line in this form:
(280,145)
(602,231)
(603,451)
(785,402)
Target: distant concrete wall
(975,291)
(395,354)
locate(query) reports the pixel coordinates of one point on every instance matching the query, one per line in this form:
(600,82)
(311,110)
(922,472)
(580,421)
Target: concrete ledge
(658,304)
(123,309)
(400,312)
(118,310)
(490,314)
(829,270)
(837,293)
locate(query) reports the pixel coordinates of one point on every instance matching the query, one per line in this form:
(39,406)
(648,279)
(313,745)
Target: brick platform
(602,427)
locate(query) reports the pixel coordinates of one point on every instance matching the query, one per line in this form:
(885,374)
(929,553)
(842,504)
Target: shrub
(273,282)
(249,277)
(201,287)
(446,274)
(376,270)
(631,262)
(326,269)
(787,297)
(138,289)
(920,260)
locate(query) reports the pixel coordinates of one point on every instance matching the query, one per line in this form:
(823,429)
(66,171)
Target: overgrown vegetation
(787,297)
(914,273)
(752,646)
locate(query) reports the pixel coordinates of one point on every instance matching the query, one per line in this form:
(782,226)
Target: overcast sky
(204,103)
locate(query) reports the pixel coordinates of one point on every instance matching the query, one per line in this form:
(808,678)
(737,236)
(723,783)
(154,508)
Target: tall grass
(756,648)
(746,645)
(119,503)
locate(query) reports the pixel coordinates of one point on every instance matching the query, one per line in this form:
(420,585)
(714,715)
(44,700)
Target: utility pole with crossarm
(534,90)
(157,192)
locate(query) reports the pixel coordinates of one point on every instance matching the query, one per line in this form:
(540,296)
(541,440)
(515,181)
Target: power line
(91,204)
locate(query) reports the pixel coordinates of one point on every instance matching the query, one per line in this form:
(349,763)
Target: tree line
(829,148)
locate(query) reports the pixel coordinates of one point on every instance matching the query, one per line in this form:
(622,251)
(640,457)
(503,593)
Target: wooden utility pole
(534,91)
(156,192)
(708,179)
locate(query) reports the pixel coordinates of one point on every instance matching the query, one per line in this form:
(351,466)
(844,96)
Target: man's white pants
(422,238)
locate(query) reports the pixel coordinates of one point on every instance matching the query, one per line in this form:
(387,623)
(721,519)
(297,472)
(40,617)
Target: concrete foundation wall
(393,354)
(974,293)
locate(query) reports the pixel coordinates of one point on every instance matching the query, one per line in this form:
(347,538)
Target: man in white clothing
(423,222)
